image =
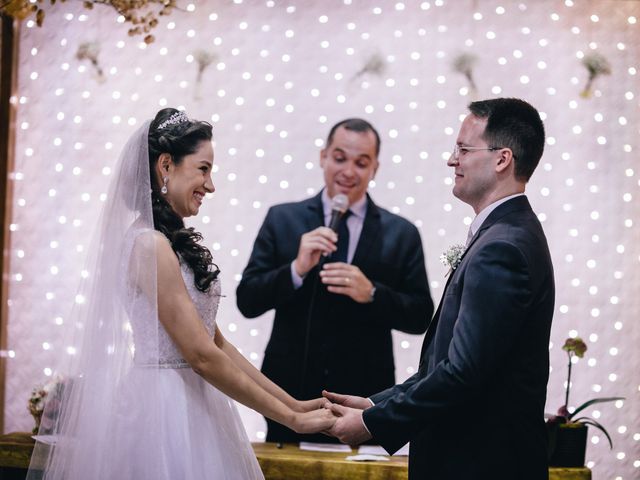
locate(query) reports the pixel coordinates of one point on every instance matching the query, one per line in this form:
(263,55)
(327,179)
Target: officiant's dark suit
(475,408)
(350,345)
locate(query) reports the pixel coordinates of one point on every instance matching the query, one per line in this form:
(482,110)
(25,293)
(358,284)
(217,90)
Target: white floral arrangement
(452,257)
(39,396)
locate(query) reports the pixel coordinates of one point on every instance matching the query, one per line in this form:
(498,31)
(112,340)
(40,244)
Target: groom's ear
(505,161)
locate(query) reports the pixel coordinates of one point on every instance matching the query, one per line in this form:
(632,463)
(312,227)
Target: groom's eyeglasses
(458,150)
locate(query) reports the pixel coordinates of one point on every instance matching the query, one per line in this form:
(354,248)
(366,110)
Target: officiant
(338,294)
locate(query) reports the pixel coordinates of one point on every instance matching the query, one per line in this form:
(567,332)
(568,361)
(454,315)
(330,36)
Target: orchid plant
(575,347)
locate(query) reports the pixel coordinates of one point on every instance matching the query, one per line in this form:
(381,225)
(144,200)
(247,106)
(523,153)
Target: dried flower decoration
(90,51)
(374,64)
(464,64)
(142,14)
(203,59)
(21,9)
(596,64)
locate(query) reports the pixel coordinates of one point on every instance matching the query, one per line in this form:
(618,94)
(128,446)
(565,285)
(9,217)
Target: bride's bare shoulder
(150,245)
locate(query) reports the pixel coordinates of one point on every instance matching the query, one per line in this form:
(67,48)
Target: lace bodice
(144,322)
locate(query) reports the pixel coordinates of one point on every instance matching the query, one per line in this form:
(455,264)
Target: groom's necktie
(341,254)
(469,237)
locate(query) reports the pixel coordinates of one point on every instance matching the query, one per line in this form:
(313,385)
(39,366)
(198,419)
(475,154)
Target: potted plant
(567,430)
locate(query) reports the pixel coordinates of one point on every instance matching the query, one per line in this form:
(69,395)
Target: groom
(475,408)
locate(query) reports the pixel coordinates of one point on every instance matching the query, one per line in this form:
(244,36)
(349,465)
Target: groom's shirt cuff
(364,424)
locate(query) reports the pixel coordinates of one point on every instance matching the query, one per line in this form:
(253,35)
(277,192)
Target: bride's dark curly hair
(179,140)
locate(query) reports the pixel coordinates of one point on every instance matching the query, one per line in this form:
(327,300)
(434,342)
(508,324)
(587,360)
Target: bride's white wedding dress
(130,407)
(200,435)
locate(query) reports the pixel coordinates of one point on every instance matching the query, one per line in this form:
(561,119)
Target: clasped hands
(345,420)
(341,278)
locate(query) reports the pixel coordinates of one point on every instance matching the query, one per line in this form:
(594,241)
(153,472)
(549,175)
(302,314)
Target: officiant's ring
(346,279)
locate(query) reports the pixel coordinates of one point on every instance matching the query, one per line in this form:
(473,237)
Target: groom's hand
(347,400)
(349,427)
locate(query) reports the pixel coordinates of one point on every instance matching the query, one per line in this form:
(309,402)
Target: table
(291,463)
(286,463)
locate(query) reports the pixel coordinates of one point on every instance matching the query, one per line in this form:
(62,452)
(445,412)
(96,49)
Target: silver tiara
(176,118)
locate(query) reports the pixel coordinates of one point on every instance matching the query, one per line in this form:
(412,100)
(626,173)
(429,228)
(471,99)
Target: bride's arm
(247,367)
(182,322)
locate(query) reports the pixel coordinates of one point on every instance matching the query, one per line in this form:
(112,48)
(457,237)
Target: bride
(148,393)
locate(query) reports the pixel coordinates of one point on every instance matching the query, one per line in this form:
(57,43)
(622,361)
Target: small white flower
(451,258)
(40,392)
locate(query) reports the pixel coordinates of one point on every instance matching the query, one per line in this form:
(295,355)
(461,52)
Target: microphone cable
(339,205)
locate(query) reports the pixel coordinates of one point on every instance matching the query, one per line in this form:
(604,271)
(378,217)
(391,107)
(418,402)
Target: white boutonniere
(451,258)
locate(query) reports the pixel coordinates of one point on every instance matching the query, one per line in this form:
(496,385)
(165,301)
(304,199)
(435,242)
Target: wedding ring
(346,280)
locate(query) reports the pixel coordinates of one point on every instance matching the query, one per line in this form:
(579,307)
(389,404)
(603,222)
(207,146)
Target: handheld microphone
(339,205)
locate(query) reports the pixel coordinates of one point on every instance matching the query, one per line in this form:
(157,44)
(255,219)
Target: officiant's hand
(349,427)
(347,400)
(313,244)
(346,279)
(314,421)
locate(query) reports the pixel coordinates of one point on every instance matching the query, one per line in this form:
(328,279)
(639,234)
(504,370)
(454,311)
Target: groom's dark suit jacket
(350,343)
(475,408)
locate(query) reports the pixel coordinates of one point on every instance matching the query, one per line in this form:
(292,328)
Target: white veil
(100,417)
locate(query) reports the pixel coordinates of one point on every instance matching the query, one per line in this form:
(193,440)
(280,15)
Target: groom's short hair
(515,124)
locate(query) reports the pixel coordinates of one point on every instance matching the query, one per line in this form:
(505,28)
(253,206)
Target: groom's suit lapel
(433,325)
(518,203)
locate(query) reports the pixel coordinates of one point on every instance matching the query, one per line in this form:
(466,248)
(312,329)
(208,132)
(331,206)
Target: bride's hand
(314,421)
(303,406)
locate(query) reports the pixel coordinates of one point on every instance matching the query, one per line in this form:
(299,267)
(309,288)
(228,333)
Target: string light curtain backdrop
(272,77)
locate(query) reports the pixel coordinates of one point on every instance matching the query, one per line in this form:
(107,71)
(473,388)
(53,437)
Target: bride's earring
(164,188)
